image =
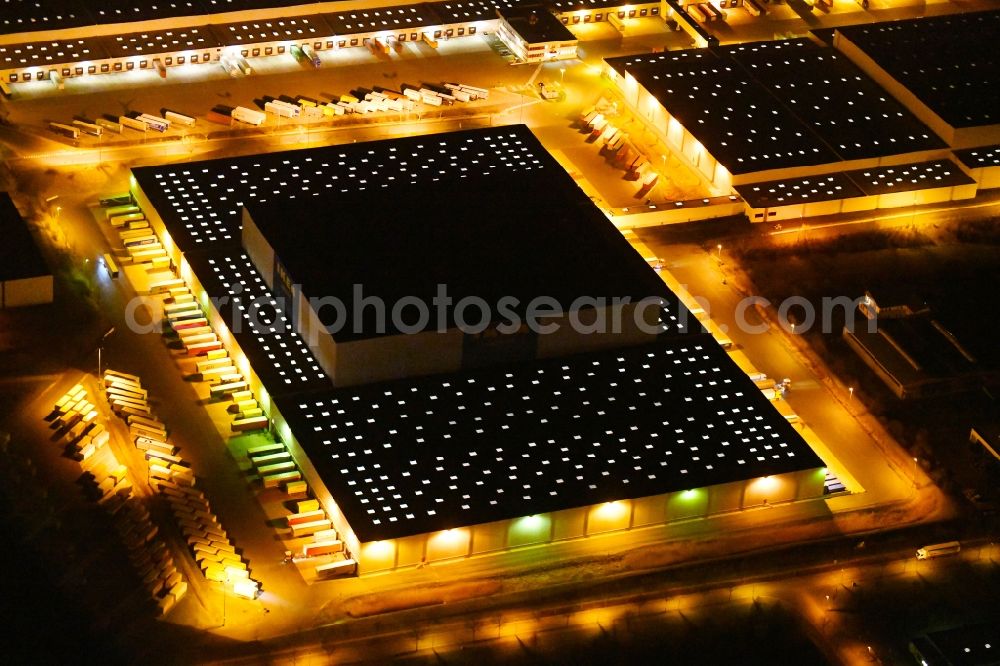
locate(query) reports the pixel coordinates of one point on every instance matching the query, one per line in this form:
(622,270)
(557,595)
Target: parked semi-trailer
(179,118)
(154,122)
(279,108)
(219,115)
(119,210)
(111,265)
(310,55)
(88,128)
(65,130)
(481,93)
(140,240)
(110,125)
(249,116)
(230,67)
(121,219)
(132,123)
(458,93)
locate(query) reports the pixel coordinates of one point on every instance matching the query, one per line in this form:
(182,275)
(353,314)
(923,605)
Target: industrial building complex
(798,127)
(38,43)
(424,445)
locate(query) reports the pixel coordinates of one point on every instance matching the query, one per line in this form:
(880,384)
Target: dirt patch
(366,605)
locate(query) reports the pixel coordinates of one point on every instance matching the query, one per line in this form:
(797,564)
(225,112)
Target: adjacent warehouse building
(907,346)
(25,279)
(944,69)
(452,465)
(492,441)
(359,274)
(40,42)
(794,127)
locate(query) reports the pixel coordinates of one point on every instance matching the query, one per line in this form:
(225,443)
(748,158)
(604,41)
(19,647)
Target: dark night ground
(956,270)
(761,634)
(40,624)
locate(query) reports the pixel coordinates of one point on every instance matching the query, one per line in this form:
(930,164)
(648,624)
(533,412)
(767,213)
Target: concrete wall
(258,249)
(567,340)
(315,335)
(583,15)
(646,216)
(29,291)
(675,136)
(397,356)
(858,204)
(590,520)
(987,177)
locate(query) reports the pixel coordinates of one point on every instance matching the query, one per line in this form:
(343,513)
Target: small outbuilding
(25,279)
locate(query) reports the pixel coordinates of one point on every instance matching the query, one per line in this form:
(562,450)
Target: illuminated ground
(288,605)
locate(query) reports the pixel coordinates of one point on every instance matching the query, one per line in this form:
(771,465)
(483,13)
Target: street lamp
(562,75)
(718,253)
(850,392)
(100,346)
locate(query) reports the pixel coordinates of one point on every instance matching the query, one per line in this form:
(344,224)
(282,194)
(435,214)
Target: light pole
(562,76)
(100,346)
(850,392)
(718,253)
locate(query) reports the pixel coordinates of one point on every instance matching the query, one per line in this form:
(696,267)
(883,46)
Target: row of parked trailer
(169,472)
(185,320)
(272,463)
(309,528)
(141,245)
(371,100)
(75,420)
(136,121)
(361,101)
(106,480)
(174,478)
(616,146)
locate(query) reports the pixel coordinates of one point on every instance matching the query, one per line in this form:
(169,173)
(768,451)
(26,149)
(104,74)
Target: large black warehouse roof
(778,104)
(201,202)
(474,241)
(949,62)
(433,453)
